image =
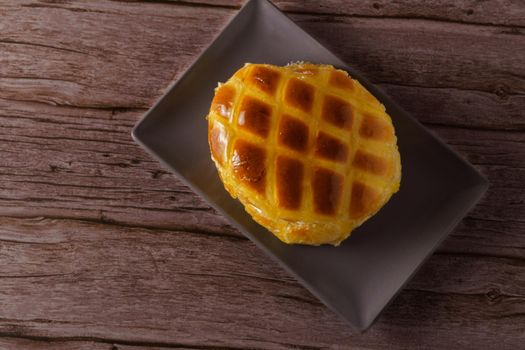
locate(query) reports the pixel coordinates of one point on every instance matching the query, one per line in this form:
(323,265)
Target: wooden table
(102,248)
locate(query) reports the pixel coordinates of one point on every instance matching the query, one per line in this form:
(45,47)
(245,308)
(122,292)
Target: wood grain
(34,65)
(503,13)
(102,248)
(39,343)
(133,282)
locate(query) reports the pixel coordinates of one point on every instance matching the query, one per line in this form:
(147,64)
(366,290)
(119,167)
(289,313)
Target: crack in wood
(485,296)
(514,29)
(95,186)
(35,276)
(52,6)
(496,91)
(177,209)
(519,128)
(102,107)
(519,315)
(409,18)
(186,3)
(515,259)
(470,216)
(45,79)
(168,229)
(112,341)
(79,139)
(236,275)
(17,241)
(313,302)
(16,42)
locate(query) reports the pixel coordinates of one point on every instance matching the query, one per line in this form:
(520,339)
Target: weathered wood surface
(101,248)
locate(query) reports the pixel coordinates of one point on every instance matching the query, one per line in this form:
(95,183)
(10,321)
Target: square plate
(360,277)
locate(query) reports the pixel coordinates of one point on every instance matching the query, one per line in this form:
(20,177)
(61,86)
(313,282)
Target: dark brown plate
(359,278)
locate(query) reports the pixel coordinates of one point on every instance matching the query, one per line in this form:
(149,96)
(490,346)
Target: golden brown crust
(248,165)
(309,151)
(299,94)
(222,103)
(337,112)
(331,148)
(370,163)
(293,133)
(289,176)
(327,187)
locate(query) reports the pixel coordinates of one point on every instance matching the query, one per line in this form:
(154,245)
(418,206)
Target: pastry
(309,152)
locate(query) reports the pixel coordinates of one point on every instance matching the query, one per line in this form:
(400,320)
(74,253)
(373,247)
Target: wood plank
(111,283)
(419,53)
(58,61)
(505,13)
(81,163)
(486,237)
(461,108)
(29,344)
(184,278)
(86,165)
(504,167)
(43,343)
(51,64)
